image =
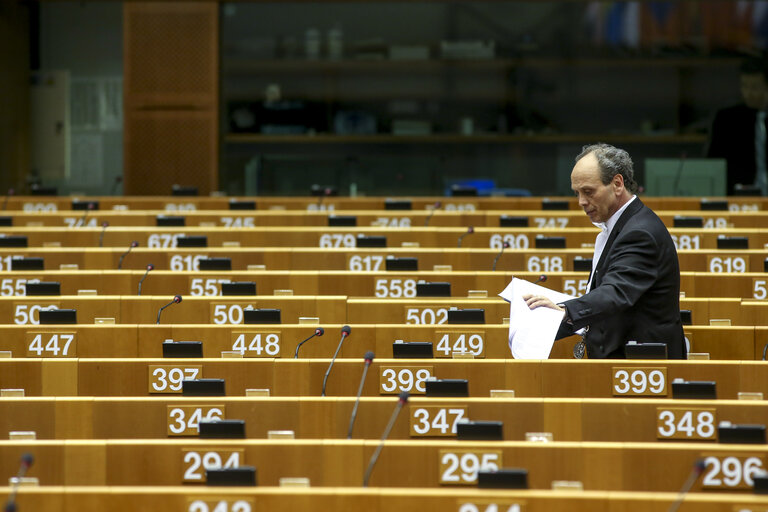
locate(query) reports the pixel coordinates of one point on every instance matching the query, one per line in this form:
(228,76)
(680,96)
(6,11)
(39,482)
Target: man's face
(598,201)
(754,90)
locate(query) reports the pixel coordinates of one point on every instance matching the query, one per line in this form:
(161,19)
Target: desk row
(601,420)
(320,201)
(353,260)
(383,285)
(658,467)
(306,377)
(436,217)
(269,499)
(333,203)
(281,341)
(322,309)
(358,237)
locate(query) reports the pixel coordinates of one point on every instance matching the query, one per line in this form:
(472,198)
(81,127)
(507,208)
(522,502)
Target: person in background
(739,132)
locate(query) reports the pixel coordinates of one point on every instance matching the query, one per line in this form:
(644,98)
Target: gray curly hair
(612,161)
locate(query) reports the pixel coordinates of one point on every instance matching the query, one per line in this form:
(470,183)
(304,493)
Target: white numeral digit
(231,315)
(359,263)
(161,241)
(181,263)
(545,264)
(731,471)
(336,240)
(428,316)
(514,241)
(395,288)
(575,287)
(270,345)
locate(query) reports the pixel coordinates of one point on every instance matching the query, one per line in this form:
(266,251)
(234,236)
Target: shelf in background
(464,139)
(240,65)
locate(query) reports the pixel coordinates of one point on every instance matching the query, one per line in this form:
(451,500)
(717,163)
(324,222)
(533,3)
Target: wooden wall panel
(171,71)
(164,147)
(14,100)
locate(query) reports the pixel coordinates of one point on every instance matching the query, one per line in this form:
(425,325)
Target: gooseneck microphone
(344,333)
(368,360)
(175,300)
(104,226)
(402,400)
(150,267)
(85,215)
(7,196)
(26,461)
(698,468)
(318,332)
(542,278)
(469,231)
(115,184)
(679,174)
(435,207)
(505,245)
(122,256)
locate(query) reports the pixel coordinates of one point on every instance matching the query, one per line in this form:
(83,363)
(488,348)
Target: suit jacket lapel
(634,207)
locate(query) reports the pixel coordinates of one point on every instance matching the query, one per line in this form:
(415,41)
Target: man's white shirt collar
(607,226)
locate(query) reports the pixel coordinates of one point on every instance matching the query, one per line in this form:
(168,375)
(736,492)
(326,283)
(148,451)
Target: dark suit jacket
(635,293)
(733,138)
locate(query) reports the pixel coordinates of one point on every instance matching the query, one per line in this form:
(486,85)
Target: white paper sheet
(531,331)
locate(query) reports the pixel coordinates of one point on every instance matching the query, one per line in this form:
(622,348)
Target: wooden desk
(600,466)
(224,218)
(579,419)
(315,236)
(488,341)
(184,204)
(360,260)
(356,284)
(131,309)
(304,377)
(268,499)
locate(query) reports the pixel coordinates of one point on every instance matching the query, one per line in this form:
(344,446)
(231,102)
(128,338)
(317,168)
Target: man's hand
(537,301)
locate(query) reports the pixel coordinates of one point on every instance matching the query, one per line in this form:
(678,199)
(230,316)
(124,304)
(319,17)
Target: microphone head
(90,206)
(345,330)
(505,245)
(369,356)
(135,243)
(699,466)
(438,204)
(177,299)
(27,459)
(470,230)
(404,397)
(319,331)
(150,267)
(105,224)
(543,278)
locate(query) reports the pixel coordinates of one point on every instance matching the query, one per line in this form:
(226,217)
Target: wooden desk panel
(304,377)
(354,284)
(145,340)
(266,499)
(617,419)
(354,259)
(600,466)
(314,236)
(182,204)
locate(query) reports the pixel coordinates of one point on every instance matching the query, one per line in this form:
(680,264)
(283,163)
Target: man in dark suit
(738,132)
(634,288)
